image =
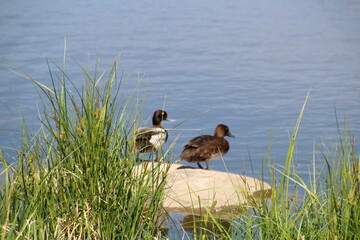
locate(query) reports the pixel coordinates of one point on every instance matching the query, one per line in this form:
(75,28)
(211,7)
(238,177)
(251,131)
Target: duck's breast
(158,137)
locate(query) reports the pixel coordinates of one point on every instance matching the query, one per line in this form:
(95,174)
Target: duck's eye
(162,113)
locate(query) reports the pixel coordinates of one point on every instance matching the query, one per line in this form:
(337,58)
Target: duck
(206,148)
(151,139)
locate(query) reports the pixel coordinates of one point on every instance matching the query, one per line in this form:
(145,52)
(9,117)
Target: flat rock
(192,190)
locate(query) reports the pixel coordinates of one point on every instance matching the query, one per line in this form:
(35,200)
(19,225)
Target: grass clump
(325,206)
(74,177)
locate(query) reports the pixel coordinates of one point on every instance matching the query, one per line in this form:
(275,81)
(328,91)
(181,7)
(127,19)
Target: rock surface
(190,190)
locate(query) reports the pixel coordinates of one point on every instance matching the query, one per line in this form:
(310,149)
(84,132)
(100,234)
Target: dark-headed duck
(206,148)
(151,139)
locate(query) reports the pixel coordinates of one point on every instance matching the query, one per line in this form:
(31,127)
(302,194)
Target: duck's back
(204,148)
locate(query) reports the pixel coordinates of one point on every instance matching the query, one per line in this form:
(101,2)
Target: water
(247,64)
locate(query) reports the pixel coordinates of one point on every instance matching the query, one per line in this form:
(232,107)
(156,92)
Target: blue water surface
(247,64)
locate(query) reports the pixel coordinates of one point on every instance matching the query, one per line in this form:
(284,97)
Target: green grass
(75,179)
(327,206)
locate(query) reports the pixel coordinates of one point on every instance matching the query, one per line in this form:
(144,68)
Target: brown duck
(206,148)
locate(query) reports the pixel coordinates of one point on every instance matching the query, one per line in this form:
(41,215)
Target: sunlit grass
(74,177)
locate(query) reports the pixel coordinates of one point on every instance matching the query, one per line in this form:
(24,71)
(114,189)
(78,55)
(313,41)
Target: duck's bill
(230,135)
(171,120)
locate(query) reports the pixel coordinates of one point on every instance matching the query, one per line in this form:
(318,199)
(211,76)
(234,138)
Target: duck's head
(222,130)
(158,117)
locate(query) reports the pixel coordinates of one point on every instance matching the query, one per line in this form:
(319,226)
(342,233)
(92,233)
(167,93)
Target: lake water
(247,64)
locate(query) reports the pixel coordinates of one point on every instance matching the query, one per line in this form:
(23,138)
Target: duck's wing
(150,139)
(143,133)
(204,148)
(199,141)
(195,150)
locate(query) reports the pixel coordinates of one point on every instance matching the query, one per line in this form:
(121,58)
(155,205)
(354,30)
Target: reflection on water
(189,225)
(202,224)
